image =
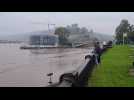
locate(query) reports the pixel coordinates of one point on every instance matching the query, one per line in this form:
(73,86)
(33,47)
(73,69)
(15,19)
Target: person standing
(97,50)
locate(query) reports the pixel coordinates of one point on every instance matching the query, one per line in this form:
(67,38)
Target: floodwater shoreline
(23,47)
(26,47)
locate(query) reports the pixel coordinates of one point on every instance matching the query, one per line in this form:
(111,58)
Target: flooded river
(29,68)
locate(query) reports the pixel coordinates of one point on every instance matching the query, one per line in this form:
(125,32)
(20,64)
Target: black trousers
(99,58)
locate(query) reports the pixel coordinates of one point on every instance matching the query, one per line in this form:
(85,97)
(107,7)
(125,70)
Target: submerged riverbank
(114,69)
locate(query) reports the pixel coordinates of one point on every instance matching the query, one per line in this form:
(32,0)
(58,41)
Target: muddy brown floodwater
(29,68)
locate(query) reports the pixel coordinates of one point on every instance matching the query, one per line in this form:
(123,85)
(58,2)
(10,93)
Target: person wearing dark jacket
(97,50)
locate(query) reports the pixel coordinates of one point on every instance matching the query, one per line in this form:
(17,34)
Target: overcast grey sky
(22,22)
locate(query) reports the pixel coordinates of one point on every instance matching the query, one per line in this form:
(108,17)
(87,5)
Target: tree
(63,35)
(124,27)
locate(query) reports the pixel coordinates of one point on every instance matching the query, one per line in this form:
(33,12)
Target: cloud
(39,23)
(103,22)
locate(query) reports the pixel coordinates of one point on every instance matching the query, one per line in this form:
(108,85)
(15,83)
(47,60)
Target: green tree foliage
(63,35)
(124,27)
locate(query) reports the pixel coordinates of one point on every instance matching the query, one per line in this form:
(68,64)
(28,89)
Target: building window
(43,40)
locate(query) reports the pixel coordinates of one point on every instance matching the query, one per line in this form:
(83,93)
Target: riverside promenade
(79,77)
(116,69)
